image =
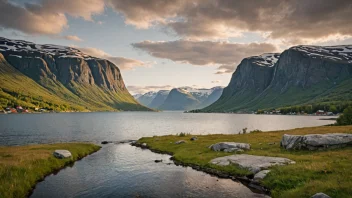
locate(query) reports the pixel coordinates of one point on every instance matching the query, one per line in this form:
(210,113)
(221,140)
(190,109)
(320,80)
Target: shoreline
(314,171)
(248,182)
(24,173)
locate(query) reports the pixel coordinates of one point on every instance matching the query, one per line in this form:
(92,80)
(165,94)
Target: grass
(327,171)
(21,167)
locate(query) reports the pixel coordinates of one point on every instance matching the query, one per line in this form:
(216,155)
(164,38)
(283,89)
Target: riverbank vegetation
(21,167)
(326,171)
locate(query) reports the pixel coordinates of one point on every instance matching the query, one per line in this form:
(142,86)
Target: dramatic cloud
(48,17)
(199,19)
(73,38)
(145,89)
(204,52)
(122,62)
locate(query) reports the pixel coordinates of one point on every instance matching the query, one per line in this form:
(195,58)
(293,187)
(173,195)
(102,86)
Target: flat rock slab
(253,163)
(316,141)
(62,154)
(229,146)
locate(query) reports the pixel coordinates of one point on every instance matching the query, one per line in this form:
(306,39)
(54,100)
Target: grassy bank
(315,171)
(21,167)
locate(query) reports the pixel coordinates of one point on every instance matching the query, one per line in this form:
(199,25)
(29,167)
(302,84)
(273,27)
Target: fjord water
(19,129)
(121,170)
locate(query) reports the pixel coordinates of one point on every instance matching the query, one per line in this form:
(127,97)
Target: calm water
(17,129)
(120,170)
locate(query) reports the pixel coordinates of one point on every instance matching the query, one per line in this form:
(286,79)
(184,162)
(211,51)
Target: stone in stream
(251,162)
(62,154)
(180,142)
(105,142)
(316,141)
(260,175)
(157,161)
(229,146)
(320,195)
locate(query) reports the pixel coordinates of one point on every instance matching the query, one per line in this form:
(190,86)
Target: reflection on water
(120,170)
(96,127)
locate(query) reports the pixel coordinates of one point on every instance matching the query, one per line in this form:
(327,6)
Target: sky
(160,44)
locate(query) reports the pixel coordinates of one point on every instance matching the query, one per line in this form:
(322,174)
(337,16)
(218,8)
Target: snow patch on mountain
(267,59)
(336,53)
(16,46)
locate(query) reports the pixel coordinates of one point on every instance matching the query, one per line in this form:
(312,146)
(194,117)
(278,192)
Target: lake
(121,170)
(19,129)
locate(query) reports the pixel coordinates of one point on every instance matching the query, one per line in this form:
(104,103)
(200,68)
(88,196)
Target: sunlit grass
(315,171)
(22,166)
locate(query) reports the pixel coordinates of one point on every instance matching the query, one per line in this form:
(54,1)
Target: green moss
(21,167)
(327,171)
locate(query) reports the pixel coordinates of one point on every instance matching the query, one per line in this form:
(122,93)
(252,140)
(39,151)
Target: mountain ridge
(301,75)
(86,83)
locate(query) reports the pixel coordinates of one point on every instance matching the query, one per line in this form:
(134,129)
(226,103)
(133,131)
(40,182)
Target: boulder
(260,175)
(320,195)
(144,144)
(157,161)
(251,162)
(105,142)
(180,142)
(316,141)
(194,139)
(230,150)
(62,154)
(227,146)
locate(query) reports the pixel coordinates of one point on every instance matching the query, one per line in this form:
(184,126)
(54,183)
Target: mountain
(146,98)
(60,78)
(136,96)
(300,75)
(188,98)
(179,99)
(214,96)
(159,99)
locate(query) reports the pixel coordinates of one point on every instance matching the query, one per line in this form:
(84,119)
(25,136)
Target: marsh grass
(21,167)
(327,171)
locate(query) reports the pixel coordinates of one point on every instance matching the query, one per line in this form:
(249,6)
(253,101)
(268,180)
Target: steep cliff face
(302,74)
(66,71)
(252,76)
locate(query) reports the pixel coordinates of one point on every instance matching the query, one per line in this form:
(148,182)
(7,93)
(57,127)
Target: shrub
(256,131)
(346,117)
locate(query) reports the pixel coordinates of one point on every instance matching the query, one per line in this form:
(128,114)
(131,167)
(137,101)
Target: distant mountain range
(183,98)
(60,78)
(301,75)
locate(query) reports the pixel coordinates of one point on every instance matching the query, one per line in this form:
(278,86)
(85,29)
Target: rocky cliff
(69,73)
(301,74)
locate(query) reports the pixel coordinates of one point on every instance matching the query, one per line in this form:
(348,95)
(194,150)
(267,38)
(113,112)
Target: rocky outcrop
(61,154)
(301,74)
(251,162)
(316,141)
(229,146)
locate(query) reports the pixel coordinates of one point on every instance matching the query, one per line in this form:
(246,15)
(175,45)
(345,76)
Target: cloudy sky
(160,44)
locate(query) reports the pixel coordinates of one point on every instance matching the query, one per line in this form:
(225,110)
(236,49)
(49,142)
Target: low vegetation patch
(328,171)
(21,167)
